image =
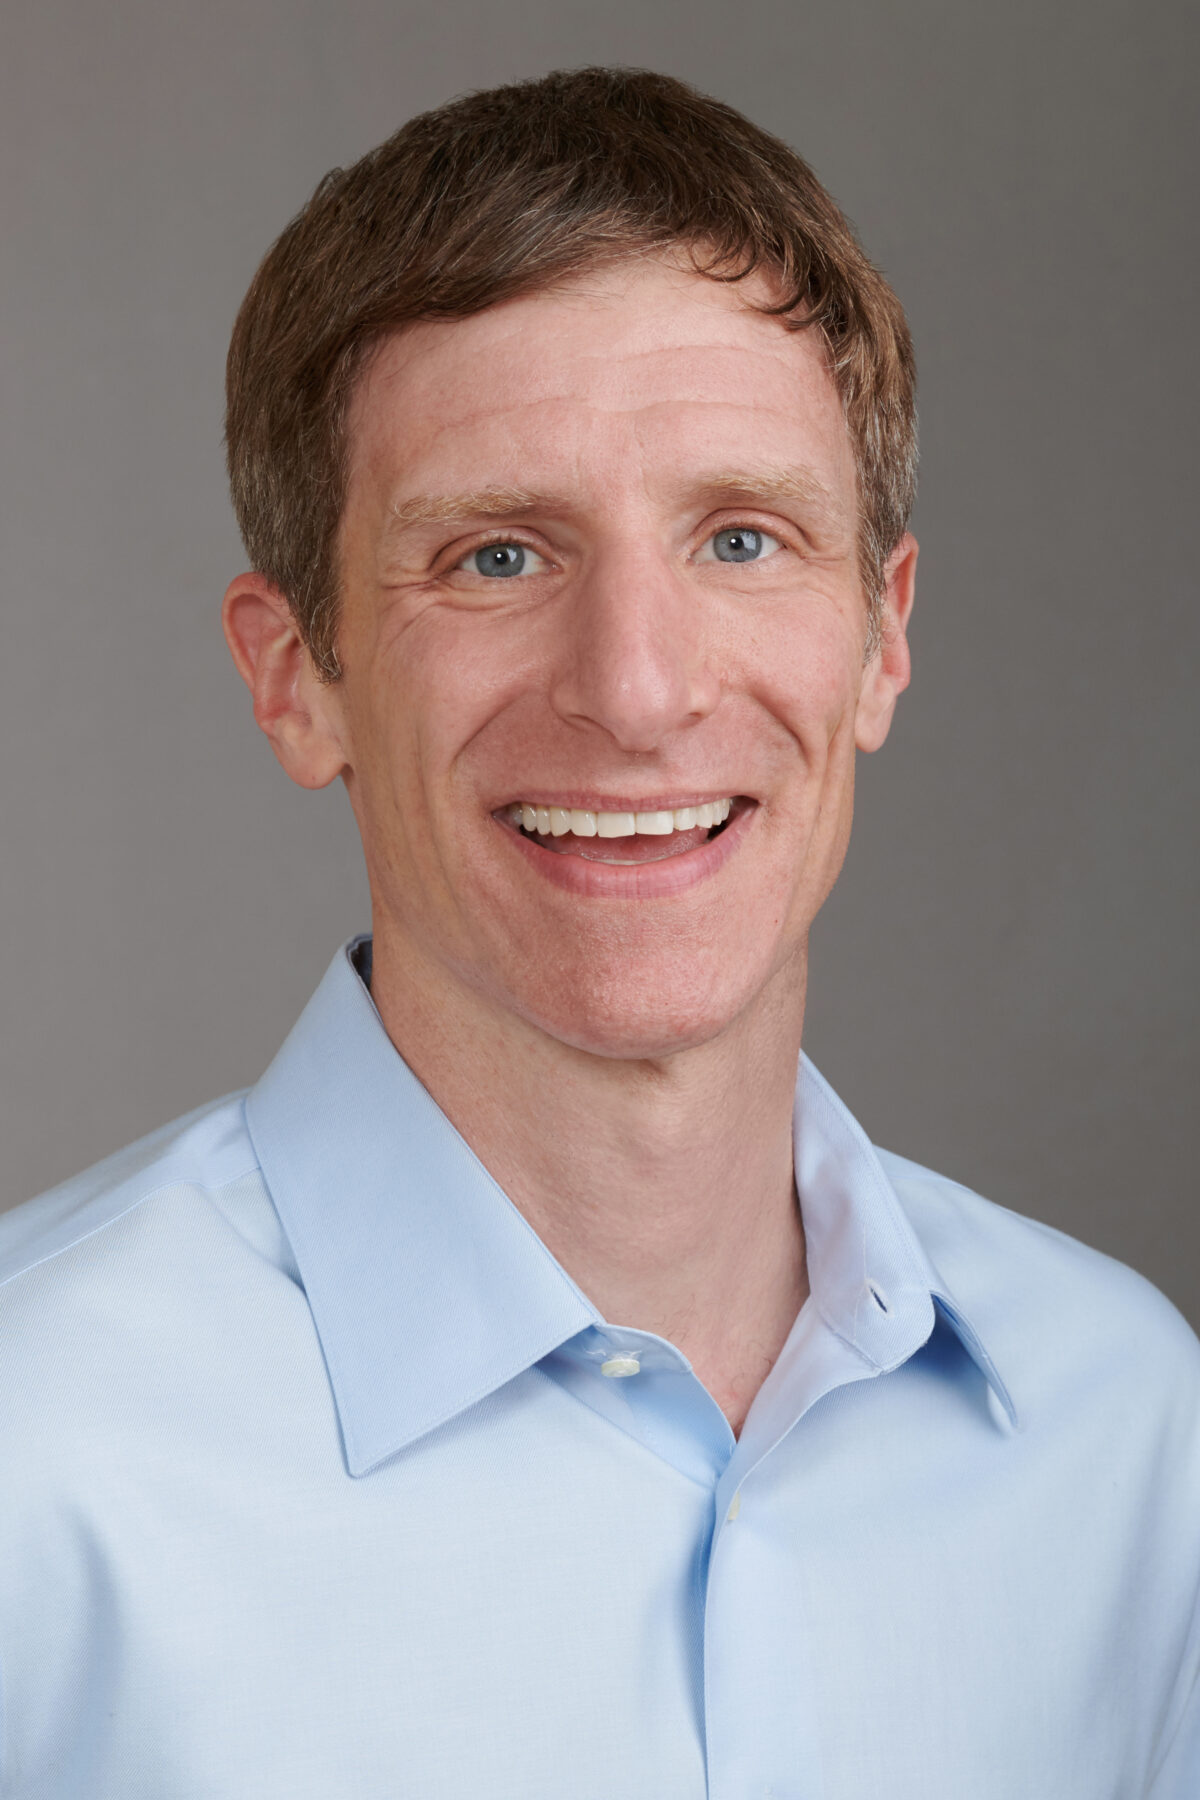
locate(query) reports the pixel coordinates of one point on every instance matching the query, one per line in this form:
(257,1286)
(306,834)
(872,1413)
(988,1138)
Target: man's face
(598,558)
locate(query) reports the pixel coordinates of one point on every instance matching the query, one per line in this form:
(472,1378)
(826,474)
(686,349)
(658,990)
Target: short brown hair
(503,193)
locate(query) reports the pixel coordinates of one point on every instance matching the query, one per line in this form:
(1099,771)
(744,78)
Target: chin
(634,1018)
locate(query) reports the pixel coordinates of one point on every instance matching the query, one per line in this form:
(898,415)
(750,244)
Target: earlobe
(887,674)
(298,714)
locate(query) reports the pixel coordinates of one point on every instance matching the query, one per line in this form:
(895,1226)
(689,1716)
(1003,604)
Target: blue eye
(499,559)
(739,544)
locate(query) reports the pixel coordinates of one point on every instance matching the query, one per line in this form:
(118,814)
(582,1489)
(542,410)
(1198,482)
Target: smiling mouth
(625,838)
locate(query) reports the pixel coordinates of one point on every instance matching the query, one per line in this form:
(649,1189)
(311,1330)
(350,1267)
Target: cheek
(810,685)
(797,642)
(436,684)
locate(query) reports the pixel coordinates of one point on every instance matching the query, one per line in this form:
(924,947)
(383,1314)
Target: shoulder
(1063,1317)
(129,1289)
(205,1149)
(183,1206)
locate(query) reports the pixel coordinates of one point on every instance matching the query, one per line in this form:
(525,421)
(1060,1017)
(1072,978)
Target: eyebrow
(794,486)
(786,485)
(485,503)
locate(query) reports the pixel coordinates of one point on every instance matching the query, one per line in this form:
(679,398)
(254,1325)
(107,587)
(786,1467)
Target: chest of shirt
(530,1602)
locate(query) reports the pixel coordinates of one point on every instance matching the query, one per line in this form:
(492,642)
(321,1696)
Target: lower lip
(634,881)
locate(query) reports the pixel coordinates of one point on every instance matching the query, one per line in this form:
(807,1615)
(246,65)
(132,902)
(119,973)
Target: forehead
(637,366)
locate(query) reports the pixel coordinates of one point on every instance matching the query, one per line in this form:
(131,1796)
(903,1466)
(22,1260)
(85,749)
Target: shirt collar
(428,1288)
(869,1274)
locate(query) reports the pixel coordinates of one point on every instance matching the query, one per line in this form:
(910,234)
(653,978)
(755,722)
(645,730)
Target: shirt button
(622,1364)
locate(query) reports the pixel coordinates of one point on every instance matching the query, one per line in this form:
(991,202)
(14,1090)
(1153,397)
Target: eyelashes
(739,544)
(509,558)
(503,559)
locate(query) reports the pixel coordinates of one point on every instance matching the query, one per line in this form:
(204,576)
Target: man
(529,1388)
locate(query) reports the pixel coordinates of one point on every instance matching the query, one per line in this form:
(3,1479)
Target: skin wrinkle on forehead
(620,377)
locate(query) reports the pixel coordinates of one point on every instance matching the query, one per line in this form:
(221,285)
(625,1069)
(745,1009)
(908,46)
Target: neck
(663,1186)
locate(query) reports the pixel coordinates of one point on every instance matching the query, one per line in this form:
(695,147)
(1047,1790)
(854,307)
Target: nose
(633,660)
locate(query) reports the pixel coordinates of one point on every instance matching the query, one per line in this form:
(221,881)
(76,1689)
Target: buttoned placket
(760,1736)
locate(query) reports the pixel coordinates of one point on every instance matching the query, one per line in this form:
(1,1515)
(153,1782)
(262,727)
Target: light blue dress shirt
(322,1480)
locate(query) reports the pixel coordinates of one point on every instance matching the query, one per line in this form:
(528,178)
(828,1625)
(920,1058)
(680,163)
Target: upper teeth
(556,821)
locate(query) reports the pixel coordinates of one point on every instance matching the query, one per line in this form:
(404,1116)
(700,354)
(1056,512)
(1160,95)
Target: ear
(887,674)
(299,713)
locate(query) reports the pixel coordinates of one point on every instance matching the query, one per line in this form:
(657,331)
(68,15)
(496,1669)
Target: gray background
(1004,981)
